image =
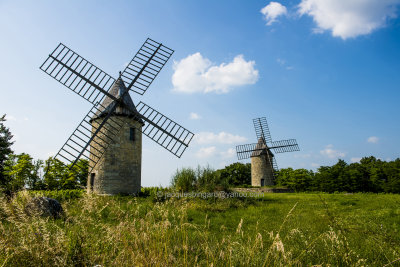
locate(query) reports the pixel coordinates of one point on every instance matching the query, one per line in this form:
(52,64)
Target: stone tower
(119,169)
(262,172)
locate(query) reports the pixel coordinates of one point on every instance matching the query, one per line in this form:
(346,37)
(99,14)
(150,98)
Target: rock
(44,207)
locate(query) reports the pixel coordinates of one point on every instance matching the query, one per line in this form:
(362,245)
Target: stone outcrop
(44,207)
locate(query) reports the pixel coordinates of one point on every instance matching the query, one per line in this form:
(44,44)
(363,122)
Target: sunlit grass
(278,229)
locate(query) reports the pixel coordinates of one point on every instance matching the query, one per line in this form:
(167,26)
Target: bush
(236,174)
(60,195)
(203,179)
(184,180)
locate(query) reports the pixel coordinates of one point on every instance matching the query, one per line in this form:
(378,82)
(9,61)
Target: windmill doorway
(262,182)
(92,175)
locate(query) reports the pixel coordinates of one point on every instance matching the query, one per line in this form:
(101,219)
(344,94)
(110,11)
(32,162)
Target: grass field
(275,230)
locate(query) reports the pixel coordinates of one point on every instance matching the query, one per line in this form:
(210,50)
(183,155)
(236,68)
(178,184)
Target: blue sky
(323,72)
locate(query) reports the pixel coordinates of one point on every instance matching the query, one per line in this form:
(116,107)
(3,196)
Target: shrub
(60,195)
(203,179)
(184,180)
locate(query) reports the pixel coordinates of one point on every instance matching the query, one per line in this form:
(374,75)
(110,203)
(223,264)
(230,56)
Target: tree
(55,174)
(392,171)
(283,176)
(205,179)
(236,174)
(5,150)
(35,181)
(298,180)
(184,180)
(79,172)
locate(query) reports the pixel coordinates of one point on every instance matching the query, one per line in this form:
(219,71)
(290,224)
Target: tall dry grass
(109,231)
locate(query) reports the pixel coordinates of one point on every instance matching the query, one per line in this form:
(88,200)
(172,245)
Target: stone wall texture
(119,170)
(261,169)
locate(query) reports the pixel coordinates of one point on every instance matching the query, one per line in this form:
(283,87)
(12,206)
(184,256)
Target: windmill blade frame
(271,161)
(282,146)
(79,144)
(78,74)
(172,136)
(247,151)
(83,78)
(145,66)
(262,129)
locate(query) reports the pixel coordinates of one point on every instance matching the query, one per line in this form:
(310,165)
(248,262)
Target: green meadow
(287,229)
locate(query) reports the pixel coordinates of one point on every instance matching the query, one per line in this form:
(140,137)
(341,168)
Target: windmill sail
(80,143)
(283,146)
(77,74)
(245,151)
(111,97)
(164,131)
(145,65)
(262,130)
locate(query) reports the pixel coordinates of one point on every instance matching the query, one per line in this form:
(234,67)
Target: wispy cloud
(284,64)
(348,19)
(13,118)
(303,156)
(10,118)
(194,116)
(281,61)
(355,159)
(230,153)
(196,74)
(218,138)
(373,139)
(206,152)
(272,11)
(331,153)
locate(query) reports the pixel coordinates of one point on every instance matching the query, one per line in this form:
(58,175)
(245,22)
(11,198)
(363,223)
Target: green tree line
(206,179)
(19,171)
(369,175)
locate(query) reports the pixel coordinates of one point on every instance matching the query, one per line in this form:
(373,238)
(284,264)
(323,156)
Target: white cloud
(373,139)
(206,152)
(221,138)
(349,19)
(272,11)
(194,116)
(10,118)
(13,118)
(331,153)
(197,74)
(282,62)
(230,153)
(313,164)
(304,156)
(355,159)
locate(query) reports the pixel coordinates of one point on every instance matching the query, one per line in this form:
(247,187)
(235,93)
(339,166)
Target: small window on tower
(132,134)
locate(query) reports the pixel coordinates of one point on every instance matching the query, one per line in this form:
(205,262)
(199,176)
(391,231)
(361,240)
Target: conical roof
(124,108)
(261,148)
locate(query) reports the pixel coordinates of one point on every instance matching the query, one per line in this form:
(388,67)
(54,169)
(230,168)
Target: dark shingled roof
(261,148)
(118,89)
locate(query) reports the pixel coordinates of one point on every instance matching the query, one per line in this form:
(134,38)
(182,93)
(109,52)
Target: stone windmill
(263,163)
(110,134)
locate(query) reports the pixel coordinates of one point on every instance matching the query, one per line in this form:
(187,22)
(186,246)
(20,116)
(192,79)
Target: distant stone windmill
(109,136)
(263,163)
